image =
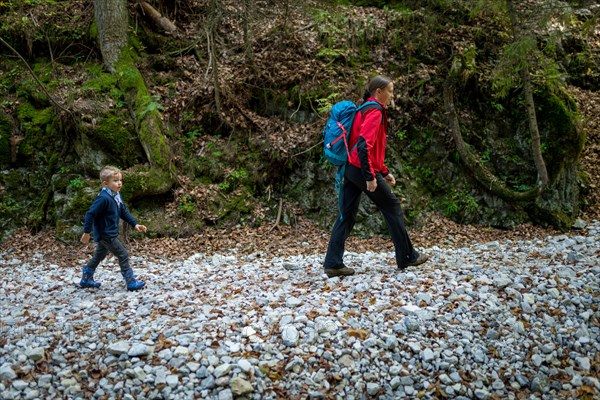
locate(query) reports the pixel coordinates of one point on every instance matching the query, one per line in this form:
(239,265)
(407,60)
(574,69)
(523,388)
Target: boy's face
(114,183)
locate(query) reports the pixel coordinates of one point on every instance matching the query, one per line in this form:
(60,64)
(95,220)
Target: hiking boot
(420,260)
(135,285)
(130,281)
(87,279)
(344,271)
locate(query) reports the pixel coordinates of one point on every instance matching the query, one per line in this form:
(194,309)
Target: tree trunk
(215,16)
(112,21)
(248,45)
(285,15)
(536,147)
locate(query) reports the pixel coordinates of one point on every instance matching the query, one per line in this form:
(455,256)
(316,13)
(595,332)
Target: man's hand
(389,178)
(141,228)
(371,185)
(85,238)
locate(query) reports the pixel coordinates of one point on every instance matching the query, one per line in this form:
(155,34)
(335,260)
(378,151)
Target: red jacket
(369,134)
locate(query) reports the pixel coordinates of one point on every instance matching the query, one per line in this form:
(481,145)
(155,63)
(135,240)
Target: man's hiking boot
(87,279)
(343,271)
(420,260)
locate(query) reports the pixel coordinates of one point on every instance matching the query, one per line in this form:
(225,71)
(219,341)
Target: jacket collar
(375,100)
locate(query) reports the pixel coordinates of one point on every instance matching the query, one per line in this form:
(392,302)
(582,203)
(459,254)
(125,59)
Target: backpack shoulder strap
(367,105)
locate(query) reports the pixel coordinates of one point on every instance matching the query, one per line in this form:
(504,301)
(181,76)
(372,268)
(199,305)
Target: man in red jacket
(366,172)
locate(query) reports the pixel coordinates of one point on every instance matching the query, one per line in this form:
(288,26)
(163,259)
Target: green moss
(546,217)
(6,129)
(81,201)
(240,203)
(231,206)
(41,133)
(93,32)
(43,71)
(562,140)
(117,137)
(29,89)
(60,182)
(12,180)
(25,197)
(99,81)
(149,124)
(143,180)
(26,112)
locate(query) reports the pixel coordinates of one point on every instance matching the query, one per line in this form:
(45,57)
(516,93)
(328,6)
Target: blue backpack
(336,138)
(336,133)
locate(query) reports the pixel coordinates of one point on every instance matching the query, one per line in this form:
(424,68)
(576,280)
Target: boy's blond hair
(107,172)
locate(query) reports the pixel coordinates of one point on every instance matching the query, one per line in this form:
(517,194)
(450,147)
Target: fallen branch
(245,115)
(278,215)
(157,17)
(309,149)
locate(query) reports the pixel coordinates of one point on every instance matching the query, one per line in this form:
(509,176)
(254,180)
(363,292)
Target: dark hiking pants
(389,206)
(114,246)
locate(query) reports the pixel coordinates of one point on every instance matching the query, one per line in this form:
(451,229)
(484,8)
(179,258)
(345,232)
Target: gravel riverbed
(503,319)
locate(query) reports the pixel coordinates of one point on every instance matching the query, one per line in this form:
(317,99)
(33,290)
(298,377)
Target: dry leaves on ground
(305,238)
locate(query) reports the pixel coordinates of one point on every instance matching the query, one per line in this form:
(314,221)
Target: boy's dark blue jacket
(104,215)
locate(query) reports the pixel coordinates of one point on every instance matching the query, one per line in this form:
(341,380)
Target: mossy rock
(91,156)
(558,122)
(232,206)
(13,214)
(116,136)
(562,202)
(103,83)
(42,140)
(24,184)
(24,198)
(72,195)
(143,180)
(6,129)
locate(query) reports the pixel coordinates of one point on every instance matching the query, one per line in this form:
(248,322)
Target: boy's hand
(141,228)
(85,239)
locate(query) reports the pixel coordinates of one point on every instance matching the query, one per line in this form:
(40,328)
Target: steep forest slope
(244,92)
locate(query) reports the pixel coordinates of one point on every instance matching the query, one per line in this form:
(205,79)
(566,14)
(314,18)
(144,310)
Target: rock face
(230,157)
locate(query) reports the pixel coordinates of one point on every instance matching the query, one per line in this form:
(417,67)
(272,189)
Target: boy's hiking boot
(87,279)
(135,285)
(420,260)
(342,271)
(130,281)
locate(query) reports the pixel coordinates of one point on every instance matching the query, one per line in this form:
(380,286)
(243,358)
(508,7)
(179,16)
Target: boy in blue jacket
(104,215)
